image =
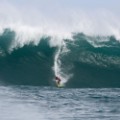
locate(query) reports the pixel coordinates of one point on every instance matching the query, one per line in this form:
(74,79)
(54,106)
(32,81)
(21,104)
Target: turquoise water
(79,58)
(50,103)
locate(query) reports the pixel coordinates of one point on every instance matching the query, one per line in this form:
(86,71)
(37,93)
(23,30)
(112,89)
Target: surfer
(58,80)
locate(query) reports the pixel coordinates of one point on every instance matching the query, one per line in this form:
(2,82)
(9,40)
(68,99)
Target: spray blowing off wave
(30,20)
(82,61)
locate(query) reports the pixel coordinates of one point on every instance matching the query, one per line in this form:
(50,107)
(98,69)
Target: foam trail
(57,64)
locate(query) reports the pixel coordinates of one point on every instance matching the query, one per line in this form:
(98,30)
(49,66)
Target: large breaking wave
(81,61)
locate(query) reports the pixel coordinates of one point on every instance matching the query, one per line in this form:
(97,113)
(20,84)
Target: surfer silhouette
(58,80)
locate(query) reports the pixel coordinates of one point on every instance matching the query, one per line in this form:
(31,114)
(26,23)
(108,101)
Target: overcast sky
(71,15)
(54,7)
(113,5)
(87,4)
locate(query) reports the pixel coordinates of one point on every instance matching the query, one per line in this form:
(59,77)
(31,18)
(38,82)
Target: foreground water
(50,103)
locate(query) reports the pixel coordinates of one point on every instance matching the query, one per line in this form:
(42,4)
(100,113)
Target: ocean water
(74,61)
(51,103)
(88,66)
(77,41)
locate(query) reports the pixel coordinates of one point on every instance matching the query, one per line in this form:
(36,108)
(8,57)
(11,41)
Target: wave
(91,61)
(81,61)
(30,64)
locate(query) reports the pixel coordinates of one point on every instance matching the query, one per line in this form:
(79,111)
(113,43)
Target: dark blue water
(50,103)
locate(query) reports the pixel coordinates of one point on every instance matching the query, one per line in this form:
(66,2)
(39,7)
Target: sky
(54,7)
(86,4)
(49,6)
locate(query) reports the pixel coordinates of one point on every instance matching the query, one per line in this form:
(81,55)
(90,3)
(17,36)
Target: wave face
(92,61)
(84,61)
(27,65)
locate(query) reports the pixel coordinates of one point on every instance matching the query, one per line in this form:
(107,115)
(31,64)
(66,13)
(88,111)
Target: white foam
(31,23)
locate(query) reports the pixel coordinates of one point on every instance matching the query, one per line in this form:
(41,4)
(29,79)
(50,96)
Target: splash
(57,64)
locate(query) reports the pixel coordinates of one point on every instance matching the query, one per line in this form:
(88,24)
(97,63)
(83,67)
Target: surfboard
(59,85)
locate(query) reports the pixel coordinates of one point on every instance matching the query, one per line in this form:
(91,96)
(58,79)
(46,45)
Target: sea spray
(57,65)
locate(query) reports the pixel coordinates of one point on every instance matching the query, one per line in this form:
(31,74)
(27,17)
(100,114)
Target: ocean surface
(51,103)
